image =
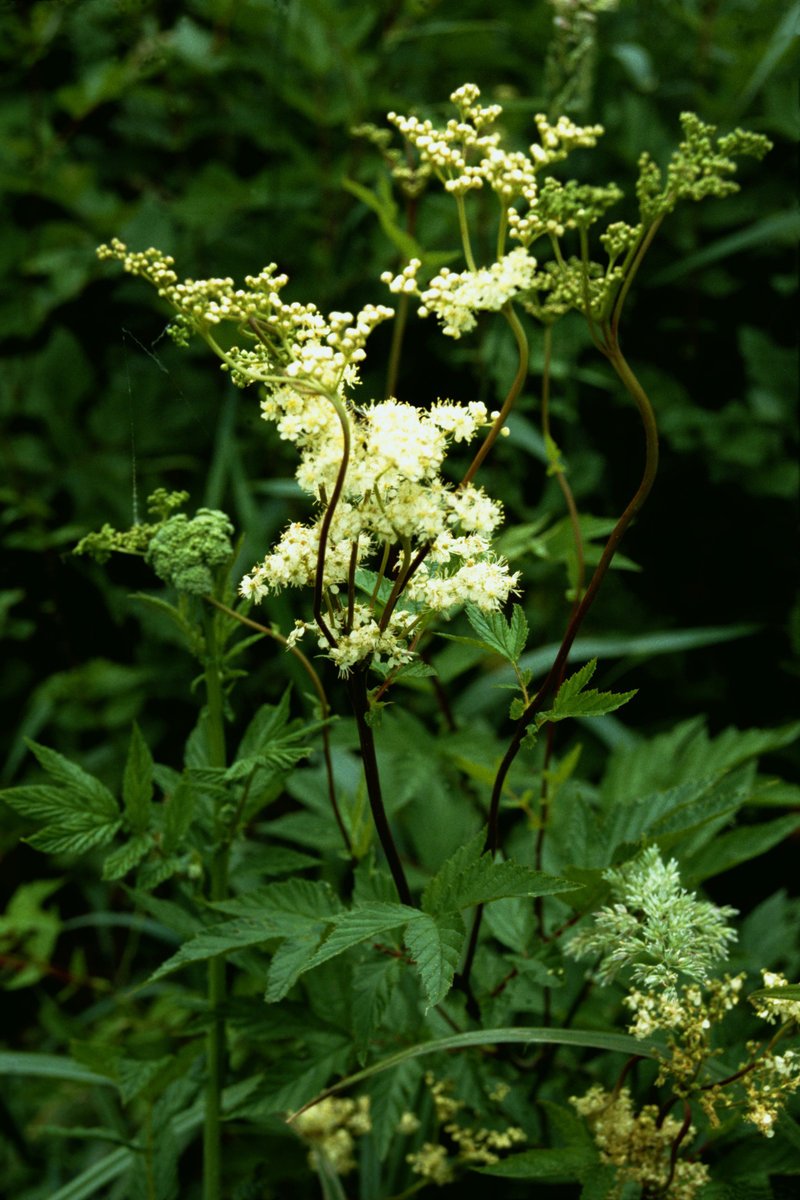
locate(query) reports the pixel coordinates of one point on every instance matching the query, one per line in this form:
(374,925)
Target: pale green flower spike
(656,927)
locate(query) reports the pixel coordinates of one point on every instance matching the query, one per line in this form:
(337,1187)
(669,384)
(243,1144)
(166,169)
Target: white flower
(455,298)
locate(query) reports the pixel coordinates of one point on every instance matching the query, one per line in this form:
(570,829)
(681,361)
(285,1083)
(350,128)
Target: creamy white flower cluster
(466,153)
(392,495)
(288,341)
(455,297)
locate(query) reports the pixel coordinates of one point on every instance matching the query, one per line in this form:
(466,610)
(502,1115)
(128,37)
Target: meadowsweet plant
(405,946)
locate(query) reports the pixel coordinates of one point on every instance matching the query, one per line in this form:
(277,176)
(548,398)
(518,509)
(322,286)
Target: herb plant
(409,945)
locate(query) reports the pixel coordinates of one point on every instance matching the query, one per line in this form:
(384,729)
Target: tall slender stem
(636,391)
(513,392)
(215,1038)
(569,499)
(325,525)
(357,688)
(396,348)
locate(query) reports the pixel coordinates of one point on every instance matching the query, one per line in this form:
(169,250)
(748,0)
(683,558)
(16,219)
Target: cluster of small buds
(700,166)
(464,156)
(291,341)
(774,1008)
(557,141)
(619,238)
(640,1145)
(331,1128)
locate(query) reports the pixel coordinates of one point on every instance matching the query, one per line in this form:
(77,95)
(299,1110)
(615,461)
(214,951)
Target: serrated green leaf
(436,945)
(41,802)
(290,961)
(314,899)
(373,983)
(179,808)
(493,630)
(230,936)
(96,796)
(359,924)
(137,783)
(55,840)
(126,857)
(739,845)
(470,877)
(572,701)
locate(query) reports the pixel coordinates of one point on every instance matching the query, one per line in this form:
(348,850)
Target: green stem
(396,348)
(357,688)
(215,1038)
(464,228)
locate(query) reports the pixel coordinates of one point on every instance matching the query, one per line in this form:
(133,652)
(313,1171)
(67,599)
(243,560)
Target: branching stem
(636,391)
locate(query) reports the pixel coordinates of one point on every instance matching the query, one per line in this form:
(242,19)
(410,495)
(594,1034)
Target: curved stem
(630,275)
(513,392)
(637,392)
(324,706)
(357,688)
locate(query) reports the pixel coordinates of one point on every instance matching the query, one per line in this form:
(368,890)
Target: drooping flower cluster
(640,1144)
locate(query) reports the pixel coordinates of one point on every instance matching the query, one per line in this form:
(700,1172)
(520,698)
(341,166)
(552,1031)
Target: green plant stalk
(357,690)
(396,348)
(612,351)
(215,1038)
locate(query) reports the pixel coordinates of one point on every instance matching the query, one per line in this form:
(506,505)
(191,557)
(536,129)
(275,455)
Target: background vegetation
(220,132)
